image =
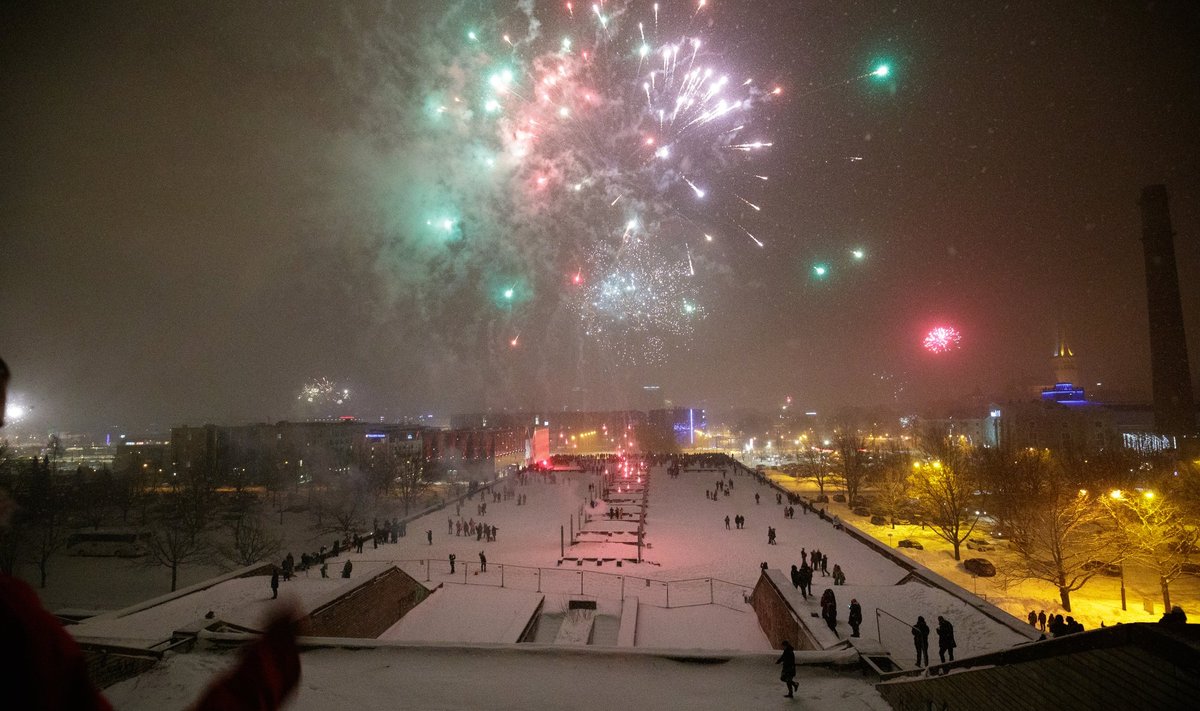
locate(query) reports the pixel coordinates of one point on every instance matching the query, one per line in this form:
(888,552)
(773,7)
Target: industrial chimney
(1174,407)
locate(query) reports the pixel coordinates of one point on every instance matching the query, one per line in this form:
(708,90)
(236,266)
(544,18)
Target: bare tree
(946,484)
(178,533)
(343,509)
(893,486)
(852,455)
(247,540)
(411,479)
(1060,531)
(812,465)
(44,511)
(92,496)
(1154,531)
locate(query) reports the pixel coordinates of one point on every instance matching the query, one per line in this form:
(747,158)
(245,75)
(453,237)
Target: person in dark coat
(274,583)
(1032,618)
(829,612)
(482,562)
(788,674)
(796,579)
(829,609)
(452,558)
(1175,617)
(855,618)
(429,536)
(806,576)
(946,644)
(1041,618)
(920,633)
(346,569)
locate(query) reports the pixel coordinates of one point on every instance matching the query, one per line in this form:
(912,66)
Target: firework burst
(942,339)
(627,130)
(323,391)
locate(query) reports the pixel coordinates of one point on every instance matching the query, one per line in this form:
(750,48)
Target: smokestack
(1174,407)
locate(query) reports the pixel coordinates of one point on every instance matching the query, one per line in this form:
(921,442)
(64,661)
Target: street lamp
(1116,495)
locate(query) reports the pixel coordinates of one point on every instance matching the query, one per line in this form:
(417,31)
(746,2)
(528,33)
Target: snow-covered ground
(690,562)
(1098,601)
(241,601)
(519,677)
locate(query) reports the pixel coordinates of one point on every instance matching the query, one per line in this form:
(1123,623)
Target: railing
(577,581)
(878,627)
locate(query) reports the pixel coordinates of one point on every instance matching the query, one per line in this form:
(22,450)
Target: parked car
(910,543)
(981,567)
(978,544)
(879,520)
(1110,569)
(862,511)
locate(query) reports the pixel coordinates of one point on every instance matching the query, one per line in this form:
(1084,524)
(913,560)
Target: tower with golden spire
(1064,363)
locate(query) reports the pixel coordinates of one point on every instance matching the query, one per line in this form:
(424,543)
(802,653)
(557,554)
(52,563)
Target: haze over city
(207,207)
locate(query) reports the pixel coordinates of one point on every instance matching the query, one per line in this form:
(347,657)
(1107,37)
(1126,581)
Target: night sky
(206,205)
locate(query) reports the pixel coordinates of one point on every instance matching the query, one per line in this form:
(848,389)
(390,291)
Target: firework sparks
(323,391)
(600,132)
(942,339)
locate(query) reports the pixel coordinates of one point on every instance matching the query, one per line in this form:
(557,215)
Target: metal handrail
(879,631)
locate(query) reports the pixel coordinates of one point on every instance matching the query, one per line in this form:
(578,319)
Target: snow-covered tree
(1154,531)
(1061,532)
(945,484)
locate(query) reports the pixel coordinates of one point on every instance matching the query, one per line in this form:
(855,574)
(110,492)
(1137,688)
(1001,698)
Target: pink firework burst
(942,339)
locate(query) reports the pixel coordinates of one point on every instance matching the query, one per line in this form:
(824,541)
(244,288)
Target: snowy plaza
(649,627)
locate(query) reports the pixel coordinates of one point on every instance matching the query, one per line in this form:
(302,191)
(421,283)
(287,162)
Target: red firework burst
(942,339)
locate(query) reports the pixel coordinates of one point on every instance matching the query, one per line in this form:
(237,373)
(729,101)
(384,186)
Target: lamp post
(1122,568)
(1117,495)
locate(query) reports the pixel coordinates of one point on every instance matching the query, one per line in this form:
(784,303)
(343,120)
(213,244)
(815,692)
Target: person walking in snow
(1032,619)
(452,558)
(805,581)
(788,674)
(946,644)
(920,633)
(771,535)
(347,568)
(839,578)
(429,536)
(824,564)
(727,523)
(795,577)
(1041,619)
(482,562)
(855,617)
(274,583)
(829,612)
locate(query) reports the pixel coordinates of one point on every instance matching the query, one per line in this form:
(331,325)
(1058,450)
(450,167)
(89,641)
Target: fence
(578,580)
